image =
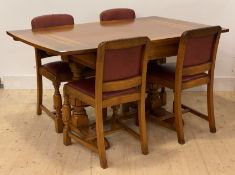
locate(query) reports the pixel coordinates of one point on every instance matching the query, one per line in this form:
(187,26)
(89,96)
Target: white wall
(17,67)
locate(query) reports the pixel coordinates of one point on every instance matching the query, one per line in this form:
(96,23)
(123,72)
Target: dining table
(78,45)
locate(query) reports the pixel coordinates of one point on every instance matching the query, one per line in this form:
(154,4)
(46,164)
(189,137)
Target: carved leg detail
(76,70)
(153,97)
(57,106)
(66,113)
(80,117)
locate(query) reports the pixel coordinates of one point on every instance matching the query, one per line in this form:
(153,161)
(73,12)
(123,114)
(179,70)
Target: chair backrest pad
(122,63)
(117,14)
(199,50)
(52,20)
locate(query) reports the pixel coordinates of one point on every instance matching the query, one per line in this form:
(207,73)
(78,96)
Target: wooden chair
(113,84)
(57,72)
(117,14)
(195,66)
(129,14)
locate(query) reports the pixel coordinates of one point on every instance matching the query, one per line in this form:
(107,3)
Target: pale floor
(29,145)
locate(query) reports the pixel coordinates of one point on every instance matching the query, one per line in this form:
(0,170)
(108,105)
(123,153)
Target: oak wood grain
(84,38)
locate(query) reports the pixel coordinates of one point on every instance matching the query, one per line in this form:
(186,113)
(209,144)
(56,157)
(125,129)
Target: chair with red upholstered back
(120,78)
(117,14)
(57,71)
(52,20)
(194,67)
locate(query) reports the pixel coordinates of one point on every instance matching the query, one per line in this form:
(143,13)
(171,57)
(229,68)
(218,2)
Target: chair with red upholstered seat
(113,84)
(128,14)
(194,67)
(113,15)
(57,71)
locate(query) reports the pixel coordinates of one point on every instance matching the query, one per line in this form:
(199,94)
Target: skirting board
(1,85)
(29,82)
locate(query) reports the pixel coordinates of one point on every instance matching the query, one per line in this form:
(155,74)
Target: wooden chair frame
(99,103)
(40,22)
(57,115)
(177,85)
(125,107)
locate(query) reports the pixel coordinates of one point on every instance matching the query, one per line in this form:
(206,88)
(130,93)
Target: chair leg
(58,106)
(178,117)
(39,94)
(154,99)
(100,137)
(163,96)
(210,108)
(66,113)
(142,126)
(105,114)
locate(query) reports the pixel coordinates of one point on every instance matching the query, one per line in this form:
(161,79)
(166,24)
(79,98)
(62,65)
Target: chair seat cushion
(167,72)
(58,70)
(87,86)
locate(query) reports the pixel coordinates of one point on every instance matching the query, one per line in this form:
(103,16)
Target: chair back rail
(122,84)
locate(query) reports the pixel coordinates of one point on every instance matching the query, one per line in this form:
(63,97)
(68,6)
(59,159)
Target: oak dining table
(78,44)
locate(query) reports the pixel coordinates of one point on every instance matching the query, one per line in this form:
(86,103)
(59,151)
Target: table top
(84,38)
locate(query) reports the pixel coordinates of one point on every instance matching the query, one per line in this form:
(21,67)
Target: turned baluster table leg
(58,106)
(154,103)
(79,117)
(153,99)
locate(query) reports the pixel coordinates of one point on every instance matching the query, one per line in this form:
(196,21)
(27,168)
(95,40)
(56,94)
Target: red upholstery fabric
(122,63)
(52,21)
(87,86)
(167,72)
(59,69)
(117,14)
(198,50)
